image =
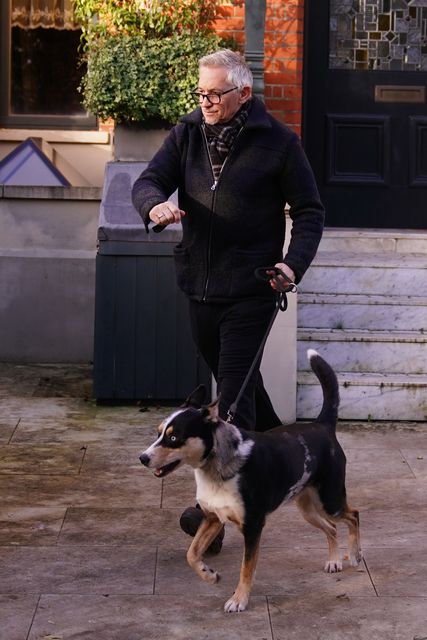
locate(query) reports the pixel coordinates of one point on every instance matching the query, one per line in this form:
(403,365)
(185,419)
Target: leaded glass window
(383,35)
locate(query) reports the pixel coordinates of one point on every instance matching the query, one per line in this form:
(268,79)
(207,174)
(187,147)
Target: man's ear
(196,397)
(245,94)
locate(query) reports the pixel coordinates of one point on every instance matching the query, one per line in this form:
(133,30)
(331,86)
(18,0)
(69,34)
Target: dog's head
(185,436)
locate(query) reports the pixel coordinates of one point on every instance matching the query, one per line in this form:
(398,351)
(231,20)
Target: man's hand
(277,282)
(165,213)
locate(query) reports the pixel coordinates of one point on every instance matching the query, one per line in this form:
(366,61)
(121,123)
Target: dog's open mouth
(168,468)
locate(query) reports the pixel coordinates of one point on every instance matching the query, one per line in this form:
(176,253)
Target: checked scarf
(221,137)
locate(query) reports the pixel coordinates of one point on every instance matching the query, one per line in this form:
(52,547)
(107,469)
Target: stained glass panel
(383,35)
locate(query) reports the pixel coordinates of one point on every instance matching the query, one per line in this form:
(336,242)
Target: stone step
(349,273)
(366,351)
(374,241)
(367,396)
(373,312)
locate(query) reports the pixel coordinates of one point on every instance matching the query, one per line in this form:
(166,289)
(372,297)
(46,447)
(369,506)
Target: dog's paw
(235,604)
(333,566)
(356,558)
(209,575)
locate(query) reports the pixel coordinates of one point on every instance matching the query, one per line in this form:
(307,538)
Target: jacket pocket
(190,271)
(182,267)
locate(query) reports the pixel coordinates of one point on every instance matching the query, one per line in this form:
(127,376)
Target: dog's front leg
(240,598)
(206,533)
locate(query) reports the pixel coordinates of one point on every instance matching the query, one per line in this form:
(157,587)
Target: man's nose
(145,460)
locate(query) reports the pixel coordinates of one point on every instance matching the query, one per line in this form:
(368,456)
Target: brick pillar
(283,53)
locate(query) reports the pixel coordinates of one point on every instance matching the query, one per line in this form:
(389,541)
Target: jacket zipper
(213,188)
(208,251)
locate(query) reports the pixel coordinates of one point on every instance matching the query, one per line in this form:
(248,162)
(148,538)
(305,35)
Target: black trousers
(228,337)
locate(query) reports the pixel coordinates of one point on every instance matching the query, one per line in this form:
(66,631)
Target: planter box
(136,143)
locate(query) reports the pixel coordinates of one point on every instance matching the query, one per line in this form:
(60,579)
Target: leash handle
(265,274)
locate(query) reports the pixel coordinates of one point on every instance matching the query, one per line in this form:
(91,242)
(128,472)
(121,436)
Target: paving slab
(367,465)
(395,527)
(7,427)
(389,493)
(399,571)
(29,525)
(116,458)
(279,571)
(35,459)
(416,459)
(85,570)
(81,490)
(382,435)
(151,526)
(80,429)
(16,615)
(146,618)
(319,617)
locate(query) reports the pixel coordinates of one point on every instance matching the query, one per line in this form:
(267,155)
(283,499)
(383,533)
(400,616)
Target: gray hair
(238,72)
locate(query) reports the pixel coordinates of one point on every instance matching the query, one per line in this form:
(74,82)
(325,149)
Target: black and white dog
(243,476)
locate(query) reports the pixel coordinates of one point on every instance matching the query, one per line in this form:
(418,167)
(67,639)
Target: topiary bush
(142,56)
(131,78)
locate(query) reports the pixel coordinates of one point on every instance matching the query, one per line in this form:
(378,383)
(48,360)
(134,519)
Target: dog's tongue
(158,472)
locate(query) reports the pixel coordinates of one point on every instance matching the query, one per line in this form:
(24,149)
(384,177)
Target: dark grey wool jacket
(238,225)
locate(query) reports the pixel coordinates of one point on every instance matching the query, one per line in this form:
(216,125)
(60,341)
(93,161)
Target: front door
(365,110)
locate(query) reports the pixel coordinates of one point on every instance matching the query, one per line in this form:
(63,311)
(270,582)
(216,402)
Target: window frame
(28,121)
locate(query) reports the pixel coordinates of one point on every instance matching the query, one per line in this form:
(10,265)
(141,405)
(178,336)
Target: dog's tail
(329,382)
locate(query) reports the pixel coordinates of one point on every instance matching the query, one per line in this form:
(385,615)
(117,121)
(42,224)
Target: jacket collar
(257,118)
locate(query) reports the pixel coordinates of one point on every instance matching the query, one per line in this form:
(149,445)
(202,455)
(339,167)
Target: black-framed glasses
(212,98)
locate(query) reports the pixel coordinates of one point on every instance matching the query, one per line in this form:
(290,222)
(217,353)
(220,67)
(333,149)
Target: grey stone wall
(47,273)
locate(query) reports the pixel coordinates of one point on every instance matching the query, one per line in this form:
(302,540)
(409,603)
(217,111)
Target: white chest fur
(221,498)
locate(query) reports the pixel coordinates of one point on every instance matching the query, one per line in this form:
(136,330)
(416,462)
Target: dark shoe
(190,521)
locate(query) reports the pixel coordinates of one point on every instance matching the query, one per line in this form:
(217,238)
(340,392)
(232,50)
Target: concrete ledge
(50,193)
(53,135)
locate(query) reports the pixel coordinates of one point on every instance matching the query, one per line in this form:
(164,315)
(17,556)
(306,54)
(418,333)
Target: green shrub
(148,18)
(132,78)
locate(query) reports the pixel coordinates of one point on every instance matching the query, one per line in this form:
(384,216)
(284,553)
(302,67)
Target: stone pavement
(90,547)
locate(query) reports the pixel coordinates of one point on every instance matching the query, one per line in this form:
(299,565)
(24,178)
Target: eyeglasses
(212,98)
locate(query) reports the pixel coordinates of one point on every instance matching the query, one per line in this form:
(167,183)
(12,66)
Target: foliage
(146,18)
(142,55)
(131,78)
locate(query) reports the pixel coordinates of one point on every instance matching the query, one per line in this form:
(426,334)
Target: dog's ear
(196,397)
(211,412)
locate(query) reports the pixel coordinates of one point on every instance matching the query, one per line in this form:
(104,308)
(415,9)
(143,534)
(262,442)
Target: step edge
(305,334)
(351,299)
(308,379)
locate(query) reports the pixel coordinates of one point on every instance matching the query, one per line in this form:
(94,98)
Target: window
(39,70)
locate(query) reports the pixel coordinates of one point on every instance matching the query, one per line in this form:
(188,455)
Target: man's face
(214,80)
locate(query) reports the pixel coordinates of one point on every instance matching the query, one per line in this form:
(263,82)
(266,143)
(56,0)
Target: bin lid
(118,219)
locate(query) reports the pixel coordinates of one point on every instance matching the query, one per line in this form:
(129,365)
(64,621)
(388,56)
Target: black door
(365,110)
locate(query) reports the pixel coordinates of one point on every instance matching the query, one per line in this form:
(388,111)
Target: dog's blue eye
(173,438)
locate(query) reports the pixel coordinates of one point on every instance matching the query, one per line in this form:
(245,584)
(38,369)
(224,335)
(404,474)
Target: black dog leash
(265,274)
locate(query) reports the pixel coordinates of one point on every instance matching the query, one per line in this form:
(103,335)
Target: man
(235,168)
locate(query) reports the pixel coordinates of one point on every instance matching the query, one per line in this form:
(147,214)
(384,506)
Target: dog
(243,476)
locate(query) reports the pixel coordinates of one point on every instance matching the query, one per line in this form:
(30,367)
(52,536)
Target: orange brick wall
(283,53)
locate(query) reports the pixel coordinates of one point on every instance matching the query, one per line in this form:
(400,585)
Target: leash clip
(230,413)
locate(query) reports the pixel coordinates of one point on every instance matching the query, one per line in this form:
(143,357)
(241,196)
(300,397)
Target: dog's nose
(145,460)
